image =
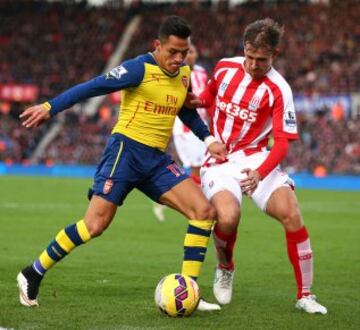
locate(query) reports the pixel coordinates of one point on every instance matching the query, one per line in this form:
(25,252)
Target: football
(177,295)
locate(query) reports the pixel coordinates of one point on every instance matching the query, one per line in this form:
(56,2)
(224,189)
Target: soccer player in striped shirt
(153,90)
(250,102)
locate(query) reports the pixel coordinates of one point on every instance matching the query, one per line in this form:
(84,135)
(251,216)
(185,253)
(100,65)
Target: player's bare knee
(229,219)
(292,220)
(205,211)
(95,229)
(227,227)
(97,225)
(229,213)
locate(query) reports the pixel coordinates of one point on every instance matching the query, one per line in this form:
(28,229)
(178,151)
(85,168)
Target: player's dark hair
(174,25)
(264,33)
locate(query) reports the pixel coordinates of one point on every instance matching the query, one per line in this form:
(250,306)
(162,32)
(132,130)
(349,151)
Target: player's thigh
(219,178)
(275,180)
(170,185)
(187,198)
(227,207)
(164,176)
(115,176)
(283,206)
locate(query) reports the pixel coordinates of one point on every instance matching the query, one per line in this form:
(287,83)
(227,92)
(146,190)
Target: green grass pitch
(109,283)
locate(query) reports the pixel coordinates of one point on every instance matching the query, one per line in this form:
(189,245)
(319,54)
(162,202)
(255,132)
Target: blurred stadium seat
(55,45)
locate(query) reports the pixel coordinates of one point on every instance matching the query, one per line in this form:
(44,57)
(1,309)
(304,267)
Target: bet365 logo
(235,111)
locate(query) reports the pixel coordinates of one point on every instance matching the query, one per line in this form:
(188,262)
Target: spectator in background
(326,64)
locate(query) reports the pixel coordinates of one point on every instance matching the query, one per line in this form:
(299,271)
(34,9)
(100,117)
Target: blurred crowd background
(50,46)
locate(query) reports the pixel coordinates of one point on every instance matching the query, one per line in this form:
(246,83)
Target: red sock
(195,178)
(224,244)
(300,255)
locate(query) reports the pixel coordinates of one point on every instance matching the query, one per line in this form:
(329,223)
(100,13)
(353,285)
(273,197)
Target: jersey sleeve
(192,120)
(128,74)
(276,156)
(284,116)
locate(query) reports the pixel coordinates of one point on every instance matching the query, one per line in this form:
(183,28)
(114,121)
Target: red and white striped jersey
(245,111)
(199,79)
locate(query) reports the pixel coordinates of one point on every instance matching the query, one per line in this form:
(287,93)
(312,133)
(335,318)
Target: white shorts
(190,149)
(227,176)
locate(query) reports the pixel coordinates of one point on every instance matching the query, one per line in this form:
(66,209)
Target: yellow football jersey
(148,110)
(150,99)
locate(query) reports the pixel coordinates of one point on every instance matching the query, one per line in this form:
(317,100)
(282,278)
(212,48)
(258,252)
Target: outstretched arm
(35,115)
(129,74)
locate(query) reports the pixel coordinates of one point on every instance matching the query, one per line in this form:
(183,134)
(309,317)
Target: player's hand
(217,150)
(250,183)
(192,101)
(35,116)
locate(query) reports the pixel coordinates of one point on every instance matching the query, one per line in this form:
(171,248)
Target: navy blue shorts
(127,164)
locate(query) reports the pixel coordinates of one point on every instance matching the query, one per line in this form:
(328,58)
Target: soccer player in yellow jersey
(154,88)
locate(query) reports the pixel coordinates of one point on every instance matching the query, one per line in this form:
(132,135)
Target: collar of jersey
(172,75)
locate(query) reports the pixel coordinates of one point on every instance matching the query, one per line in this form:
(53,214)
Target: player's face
(192,56)
(258,61)
(171,53)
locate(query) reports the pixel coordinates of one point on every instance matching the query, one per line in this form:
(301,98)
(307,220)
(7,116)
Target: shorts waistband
(209,160)
(135,144)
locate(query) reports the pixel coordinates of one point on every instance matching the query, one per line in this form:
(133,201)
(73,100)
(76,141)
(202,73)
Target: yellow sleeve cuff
(47,106)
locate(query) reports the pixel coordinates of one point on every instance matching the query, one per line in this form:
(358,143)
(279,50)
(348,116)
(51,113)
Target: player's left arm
(192,120)
(284,130)
(128,74)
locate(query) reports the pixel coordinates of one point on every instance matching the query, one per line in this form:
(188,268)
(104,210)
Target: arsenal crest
(185,81)
(107,186)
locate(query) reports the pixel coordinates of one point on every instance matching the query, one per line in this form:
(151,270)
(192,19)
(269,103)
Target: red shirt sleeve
(284,116)
(276,155)
(207,98)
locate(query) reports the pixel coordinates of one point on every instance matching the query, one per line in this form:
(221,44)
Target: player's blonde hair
(264,33)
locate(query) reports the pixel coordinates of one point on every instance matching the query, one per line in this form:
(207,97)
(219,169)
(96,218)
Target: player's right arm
(284,130)
(129,74)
